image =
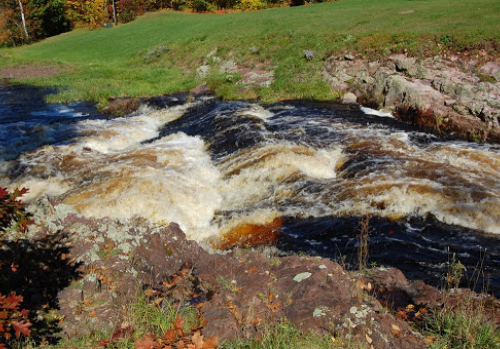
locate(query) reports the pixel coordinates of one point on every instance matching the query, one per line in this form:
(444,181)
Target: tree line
(24,21)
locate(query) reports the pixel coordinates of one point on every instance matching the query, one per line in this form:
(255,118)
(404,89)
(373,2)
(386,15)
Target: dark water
(27,122)
(317,169)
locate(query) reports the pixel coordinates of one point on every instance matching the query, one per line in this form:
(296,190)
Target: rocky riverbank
(456,93)
(99,265)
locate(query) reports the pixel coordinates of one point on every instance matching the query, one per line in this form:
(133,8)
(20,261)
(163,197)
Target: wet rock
(201,90)
(121,106)
(167,101)
(349,98)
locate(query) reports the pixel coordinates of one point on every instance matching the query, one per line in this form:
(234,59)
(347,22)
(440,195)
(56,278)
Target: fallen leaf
(144,343)
(197,340)
(395,327)
(103,342)
(178,325)
(252,270)
(14,267)
(122,332)
(368,339)
(395,332)
(150,292)
(211,343)
(170,336)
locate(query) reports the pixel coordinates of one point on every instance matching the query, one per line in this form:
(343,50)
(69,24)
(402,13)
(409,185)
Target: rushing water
(298,175)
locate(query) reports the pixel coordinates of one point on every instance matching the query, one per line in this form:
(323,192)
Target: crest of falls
(206,163)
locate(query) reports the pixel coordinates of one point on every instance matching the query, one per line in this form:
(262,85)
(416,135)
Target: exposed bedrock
(454,94)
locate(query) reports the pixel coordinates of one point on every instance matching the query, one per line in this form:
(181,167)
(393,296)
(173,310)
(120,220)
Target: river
(297,175)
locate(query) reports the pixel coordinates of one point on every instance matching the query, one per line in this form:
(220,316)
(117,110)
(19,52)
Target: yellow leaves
(90,13)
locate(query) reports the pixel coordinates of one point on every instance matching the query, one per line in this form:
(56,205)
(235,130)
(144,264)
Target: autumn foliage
(13,320)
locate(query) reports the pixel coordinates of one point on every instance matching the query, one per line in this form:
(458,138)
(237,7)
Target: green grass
(287,336)
(110,62)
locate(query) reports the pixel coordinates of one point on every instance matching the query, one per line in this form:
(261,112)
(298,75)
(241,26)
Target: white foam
(381,113)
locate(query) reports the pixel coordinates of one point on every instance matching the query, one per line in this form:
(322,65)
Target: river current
(297,175)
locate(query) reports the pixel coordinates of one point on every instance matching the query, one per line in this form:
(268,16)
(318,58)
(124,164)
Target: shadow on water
(28,122)
(421,249)
(38,270)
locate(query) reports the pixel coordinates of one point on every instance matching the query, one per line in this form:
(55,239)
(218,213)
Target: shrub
(252,5)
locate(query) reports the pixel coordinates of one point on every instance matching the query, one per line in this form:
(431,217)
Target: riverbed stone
(349,98)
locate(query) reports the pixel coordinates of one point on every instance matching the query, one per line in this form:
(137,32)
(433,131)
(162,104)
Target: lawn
(114,62)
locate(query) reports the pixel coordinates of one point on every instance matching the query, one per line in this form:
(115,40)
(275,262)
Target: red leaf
(122,332)
(170,336)
(144,343)
(21,327)
(103,343)
(178,324)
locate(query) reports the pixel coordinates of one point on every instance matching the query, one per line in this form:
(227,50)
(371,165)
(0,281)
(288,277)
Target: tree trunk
(114,13)
(24,22)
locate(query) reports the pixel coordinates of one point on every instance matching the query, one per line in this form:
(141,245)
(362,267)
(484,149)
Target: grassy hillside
(102,63)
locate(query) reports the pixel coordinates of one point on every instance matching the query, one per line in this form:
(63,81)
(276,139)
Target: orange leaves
(177,338)
(179,276)
(410,313)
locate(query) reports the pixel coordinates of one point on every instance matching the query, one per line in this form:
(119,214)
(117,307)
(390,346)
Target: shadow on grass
(38,270)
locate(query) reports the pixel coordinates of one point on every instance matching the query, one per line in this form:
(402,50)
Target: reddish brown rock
(121,106)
